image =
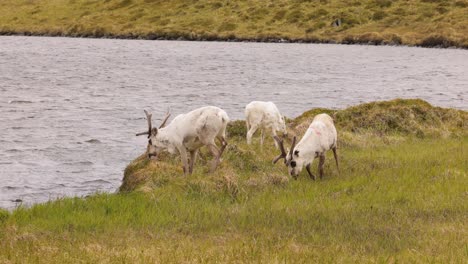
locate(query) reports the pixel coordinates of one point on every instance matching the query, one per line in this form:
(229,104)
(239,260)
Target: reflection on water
(69,108)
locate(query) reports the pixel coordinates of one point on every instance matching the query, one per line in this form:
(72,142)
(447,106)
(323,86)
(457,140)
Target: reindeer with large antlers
(187,133)
(319,137)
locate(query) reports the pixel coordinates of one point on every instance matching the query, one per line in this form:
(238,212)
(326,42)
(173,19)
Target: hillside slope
(359,127)
(416,22)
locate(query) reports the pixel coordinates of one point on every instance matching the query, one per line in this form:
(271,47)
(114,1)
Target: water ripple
(69,114)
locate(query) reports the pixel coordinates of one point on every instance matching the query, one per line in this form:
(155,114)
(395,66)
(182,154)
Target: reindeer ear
(154,132)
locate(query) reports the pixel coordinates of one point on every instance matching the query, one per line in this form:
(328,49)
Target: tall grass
(426,23)
(399,198)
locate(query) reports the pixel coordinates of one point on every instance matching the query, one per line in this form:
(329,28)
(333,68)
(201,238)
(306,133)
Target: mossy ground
(416,22)
(400,197)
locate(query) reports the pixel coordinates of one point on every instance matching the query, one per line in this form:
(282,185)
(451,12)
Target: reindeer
(187,133)
(319,137)
(263,116)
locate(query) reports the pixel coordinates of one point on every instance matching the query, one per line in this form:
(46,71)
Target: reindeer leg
(336,159)
(250,133)
(312,176)
(193,157)
(273,132)
(262,136)
(183,157)
(215,151)
(321,163)
(224,144)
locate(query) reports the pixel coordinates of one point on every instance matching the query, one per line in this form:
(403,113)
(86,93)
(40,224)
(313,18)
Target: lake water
(69,108)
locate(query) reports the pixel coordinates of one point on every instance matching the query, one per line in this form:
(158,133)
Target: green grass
(400,197)
(416,22)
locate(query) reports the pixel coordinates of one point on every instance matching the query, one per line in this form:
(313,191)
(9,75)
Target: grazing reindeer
(319,137)
(187,133)
(263,116)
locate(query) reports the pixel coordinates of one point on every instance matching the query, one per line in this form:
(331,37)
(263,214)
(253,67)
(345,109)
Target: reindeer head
(153,147)
(282,126)
(292,160)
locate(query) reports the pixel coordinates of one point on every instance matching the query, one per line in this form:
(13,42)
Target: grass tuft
(407,116)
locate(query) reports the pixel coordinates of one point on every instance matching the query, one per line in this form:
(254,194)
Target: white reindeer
(263,116)
(187,133)
(319,137)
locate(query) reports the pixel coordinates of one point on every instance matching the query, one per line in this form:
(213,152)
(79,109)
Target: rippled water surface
(69,108)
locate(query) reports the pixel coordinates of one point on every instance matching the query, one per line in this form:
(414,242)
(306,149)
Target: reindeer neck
(164,137)
(308,147)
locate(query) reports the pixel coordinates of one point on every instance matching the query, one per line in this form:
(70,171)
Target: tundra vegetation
(417,22)
(400,197)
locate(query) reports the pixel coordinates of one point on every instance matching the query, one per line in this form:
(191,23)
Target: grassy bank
(429,23)
(401,197)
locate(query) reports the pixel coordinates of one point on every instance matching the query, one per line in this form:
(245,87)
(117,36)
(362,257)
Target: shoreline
(432,24)
(433,41)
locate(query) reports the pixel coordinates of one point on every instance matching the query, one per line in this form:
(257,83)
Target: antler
(281,146)
(292,147)
(148,118)
(283,154)
(168,114)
